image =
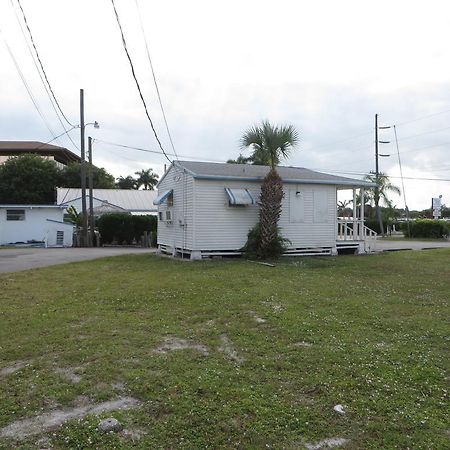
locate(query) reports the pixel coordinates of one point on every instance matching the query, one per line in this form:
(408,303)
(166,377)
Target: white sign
(436,206)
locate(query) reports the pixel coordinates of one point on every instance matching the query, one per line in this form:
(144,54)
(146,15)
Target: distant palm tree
(146,178)
(385,187)
(342,207)
(126,182)
(269,143)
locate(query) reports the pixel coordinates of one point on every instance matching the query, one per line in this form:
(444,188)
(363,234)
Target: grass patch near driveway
(229,354)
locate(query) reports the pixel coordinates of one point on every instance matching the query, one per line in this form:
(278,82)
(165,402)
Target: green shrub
(374,225)
(124,228)
(426,228)
(252,248)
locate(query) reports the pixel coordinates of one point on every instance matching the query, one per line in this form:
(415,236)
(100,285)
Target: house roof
(247,172)
(60,154)
(128,199)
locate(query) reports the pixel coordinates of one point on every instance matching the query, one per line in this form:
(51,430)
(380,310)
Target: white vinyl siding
(296,205)
(308,217)
(176,227)
(219,226)
(320,203)
(308,232)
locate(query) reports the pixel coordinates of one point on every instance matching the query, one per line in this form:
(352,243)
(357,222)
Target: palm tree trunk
(270,209)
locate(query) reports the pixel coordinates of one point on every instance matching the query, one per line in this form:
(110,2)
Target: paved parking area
(17,259)
(387,245)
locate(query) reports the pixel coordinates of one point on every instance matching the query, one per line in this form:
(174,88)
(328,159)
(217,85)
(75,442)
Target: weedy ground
(229,354)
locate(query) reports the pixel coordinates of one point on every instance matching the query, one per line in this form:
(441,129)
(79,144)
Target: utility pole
(91,199)
(84,242)
(377,191)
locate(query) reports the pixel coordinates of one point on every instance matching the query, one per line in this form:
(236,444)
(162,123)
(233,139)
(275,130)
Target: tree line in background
(31,179)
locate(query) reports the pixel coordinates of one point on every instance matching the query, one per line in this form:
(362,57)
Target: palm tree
(126,182)
(342,207)
(146,178)
(269,143)
(384,187)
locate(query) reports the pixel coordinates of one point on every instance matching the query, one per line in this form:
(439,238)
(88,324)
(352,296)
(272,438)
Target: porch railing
(355,230)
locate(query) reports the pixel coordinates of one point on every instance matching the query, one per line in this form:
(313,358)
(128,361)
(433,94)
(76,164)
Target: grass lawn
(230,354)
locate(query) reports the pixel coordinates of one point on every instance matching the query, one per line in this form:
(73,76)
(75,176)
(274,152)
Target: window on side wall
(170,200)
(15,214)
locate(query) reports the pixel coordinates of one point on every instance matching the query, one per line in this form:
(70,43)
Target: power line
(40,76)
(154,79)
(401,172)
(140,149)
(42,66)
(340,141)
(137,82)
(423,117)
(390,176)
(27,87)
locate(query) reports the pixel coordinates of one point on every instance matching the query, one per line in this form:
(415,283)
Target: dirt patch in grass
(228,348)
(15,367)
(173,344)
(69,374)
(302,344)
(257,318)
(50,420)
(327,443)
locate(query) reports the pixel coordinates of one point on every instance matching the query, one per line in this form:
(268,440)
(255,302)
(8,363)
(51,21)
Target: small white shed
(207,209)
(34,223)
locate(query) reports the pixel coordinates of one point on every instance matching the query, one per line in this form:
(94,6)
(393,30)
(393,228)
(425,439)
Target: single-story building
(130,201)
(34,224)
(207,209)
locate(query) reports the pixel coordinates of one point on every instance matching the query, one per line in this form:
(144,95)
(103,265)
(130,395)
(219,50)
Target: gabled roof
(247,172)
(127,199)
(60,154)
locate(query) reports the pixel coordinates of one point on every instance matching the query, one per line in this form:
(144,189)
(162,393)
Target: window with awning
(240,197)
(164,197)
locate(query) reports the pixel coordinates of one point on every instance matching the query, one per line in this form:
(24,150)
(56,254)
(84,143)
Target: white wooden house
(207,209)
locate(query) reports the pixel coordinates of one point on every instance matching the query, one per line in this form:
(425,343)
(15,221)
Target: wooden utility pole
(91,198)
(84,235)
(377,190)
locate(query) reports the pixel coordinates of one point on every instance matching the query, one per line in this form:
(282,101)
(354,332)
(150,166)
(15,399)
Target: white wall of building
(179,231)
(40,224)
(308,216)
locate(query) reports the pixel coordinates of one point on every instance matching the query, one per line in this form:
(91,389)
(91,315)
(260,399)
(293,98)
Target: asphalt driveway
(388,245)
(17,259)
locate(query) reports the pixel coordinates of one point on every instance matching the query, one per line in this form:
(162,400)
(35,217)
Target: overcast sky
(324,66)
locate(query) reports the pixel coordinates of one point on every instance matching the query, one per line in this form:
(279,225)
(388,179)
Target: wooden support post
(361,214)
(355,225)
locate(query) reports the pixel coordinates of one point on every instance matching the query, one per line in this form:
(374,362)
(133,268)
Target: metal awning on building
(240,197)
(163,197)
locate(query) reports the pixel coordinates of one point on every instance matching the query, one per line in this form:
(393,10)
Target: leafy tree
(146,178)
(269,143)
(28,179)
(126,182)
(71,177)
(241,159)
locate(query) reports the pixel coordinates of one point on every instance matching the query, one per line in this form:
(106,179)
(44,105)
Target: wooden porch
(351,232)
